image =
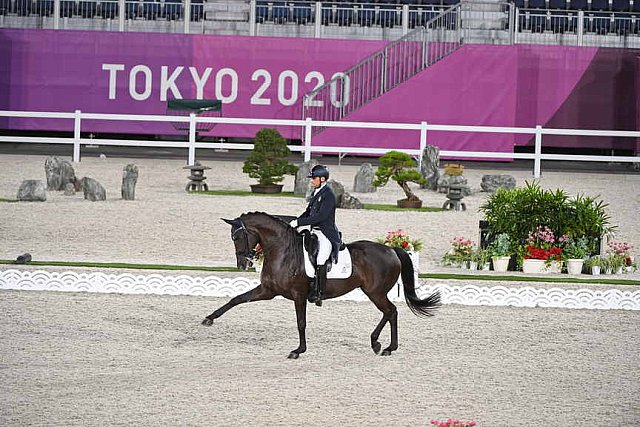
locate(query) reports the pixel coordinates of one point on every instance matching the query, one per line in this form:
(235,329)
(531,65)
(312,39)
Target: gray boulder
(350,202)
(491,183)
(129,180)
(69,189)
(59,173)
(93,190)
(430,167)
(363,181)
(32,190)
(302,185)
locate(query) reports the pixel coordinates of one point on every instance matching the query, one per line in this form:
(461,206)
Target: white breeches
(324,247)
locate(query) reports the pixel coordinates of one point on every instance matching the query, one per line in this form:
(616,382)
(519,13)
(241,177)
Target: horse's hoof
(376,347)
(385,352)
(207,321)
(293,355)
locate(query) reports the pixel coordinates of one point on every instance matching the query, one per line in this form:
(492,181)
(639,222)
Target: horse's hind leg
(389,314)
(256,294)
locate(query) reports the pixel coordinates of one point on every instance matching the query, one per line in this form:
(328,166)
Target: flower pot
(486,266)
(574,265)
(539,266)
(595,270)
(500,263)
(473,265)
(406,203)
(266,188)
(619,270)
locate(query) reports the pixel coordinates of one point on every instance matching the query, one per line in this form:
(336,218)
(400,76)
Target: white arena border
(213,286)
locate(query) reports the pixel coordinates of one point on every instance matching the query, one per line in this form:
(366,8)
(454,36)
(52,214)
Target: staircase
(383,70)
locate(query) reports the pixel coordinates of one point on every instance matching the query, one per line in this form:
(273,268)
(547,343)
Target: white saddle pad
(341,270)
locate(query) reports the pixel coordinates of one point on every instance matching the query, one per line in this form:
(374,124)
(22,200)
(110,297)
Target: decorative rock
(363,181)
(302,184)
(129,180)
(338,189)
(69,189)
(491,183)
(350,202)
(445,181)
(59,172)
(430,168)
(32,190)
(93,190)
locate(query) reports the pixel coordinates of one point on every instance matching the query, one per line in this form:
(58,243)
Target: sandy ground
(95,359)
(167,225)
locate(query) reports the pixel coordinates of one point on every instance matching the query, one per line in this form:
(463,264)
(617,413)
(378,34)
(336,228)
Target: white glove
(294,223)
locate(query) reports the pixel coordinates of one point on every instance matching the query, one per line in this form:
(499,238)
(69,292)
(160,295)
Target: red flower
(405,244)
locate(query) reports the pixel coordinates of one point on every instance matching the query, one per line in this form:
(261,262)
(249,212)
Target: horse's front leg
(256,294)
(301,316)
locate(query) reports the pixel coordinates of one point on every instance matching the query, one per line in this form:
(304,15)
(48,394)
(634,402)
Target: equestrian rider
(321,216)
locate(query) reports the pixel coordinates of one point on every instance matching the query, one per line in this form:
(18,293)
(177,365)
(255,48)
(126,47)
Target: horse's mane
(286,238)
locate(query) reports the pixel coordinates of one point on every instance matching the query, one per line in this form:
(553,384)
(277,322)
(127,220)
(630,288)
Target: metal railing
(417,129)
(375,75)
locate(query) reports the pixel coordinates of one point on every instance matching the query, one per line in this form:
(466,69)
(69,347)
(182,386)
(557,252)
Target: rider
(321,216)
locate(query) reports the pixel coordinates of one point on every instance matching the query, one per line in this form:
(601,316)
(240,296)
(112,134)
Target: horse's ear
(229,221)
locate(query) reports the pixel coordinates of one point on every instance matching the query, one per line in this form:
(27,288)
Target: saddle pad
(340,270)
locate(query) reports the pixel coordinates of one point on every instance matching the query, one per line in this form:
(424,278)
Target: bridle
(247,253)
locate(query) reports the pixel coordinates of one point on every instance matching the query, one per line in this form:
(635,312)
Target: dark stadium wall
(266,77)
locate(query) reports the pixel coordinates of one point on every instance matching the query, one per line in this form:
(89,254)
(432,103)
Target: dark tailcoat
(321,213)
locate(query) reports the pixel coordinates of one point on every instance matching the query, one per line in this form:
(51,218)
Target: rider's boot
(318,285)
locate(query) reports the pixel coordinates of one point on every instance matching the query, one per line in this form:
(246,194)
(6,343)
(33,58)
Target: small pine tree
(400,167)
(268,162)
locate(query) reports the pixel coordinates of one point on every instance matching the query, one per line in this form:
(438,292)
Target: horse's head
(244,241)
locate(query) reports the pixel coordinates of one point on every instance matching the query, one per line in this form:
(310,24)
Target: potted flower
(482,258)
(400,239)
(575,252)
(595,264)
(500,251)
(622,250)
(401,168)
(542,253)
(461,252)
(268,162)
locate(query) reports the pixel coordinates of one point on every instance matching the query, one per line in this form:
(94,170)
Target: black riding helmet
(319,171)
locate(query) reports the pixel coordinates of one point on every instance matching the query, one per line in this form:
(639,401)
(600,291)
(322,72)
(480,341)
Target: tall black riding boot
(318,286)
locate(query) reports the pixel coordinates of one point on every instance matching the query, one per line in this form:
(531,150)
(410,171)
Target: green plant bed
(123,265)
(445,276)
(247,193)
(379,207)
(509,278)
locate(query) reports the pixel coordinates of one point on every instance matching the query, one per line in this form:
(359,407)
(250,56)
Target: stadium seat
(558,4)
(390,15)
(45,7)
(599,5)
(367,14)
(173,9)
(88,9)
(536,4)
(302,13)
(621,6)
(578,4)
(109,9)
(68,8)
(151,9)
(280,12)
(197,10)
(5,7)
(598,22)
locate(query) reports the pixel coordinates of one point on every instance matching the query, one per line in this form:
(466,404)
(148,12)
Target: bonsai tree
(400,167)
(268,162)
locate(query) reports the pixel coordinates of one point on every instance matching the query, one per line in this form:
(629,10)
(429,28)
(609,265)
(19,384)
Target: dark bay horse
(376,268)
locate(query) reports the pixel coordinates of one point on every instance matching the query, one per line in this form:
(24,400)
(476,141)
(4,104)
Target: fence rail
(76,120)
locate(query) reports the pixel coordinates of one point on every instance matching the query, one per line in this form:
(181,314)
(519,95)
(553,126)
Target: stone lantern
(454,196)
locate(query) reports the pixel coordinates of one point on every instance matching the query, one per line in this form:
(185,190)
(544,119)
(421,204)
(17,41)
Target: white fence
(307,125)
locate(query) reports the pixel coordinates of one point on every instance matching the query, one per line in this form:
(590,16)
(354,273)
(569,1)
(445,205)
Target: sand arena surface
(95,359)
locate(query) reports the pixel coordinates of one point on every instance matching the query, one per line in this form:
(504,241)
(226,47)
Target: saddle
(340,266)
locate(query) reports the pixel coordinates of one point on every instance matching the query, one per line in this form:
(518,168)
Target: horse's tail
(419,307)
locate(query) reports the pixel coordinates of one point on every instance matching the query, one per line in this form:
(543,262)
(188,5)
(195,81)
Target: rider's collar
(319,188)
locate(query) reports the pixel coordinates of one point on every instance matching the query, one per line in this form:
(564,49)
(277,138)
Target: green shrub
(399,167)
(268,162)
